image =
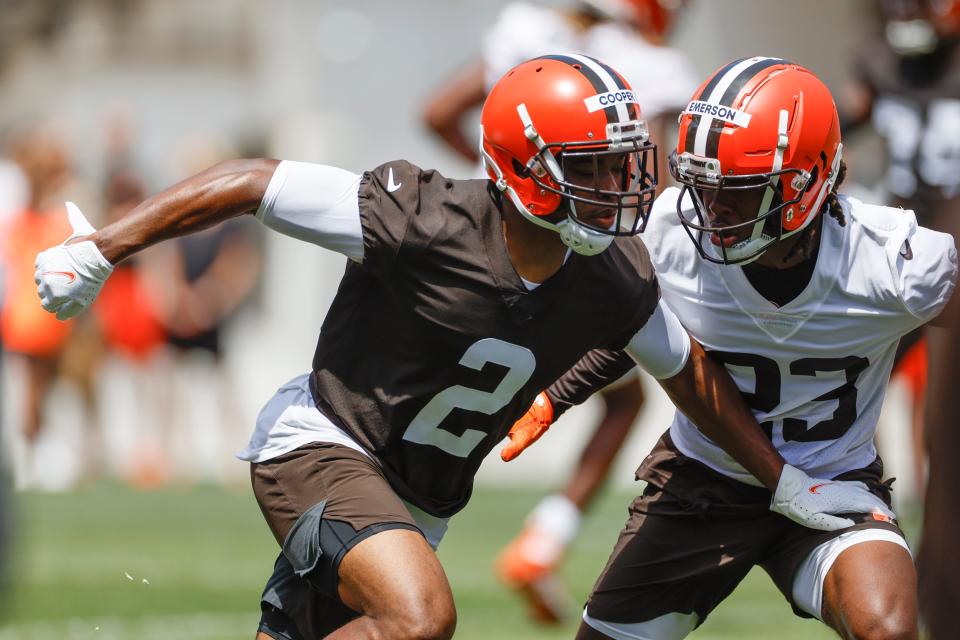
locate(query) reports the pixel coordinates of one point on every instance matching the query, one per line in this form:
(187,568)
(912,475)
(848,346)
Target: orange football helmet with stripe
(566,130)
(768,130)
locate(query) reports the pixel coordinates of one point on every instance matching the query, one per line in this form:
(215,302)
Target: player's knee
(424,620)
(883,619)
(438,627)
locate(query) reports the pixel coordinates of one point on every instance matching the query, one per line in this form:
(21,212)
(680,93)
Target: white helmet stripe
(703,127)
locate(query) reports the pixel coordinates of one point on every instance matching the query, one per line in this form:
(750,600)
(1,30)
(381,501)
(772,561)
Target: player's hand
(812,501)
(69,276)
(529,428)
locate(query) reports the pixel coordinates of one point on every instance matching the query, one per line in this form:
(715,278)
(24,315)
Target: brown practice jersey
(917,112)
(433,346)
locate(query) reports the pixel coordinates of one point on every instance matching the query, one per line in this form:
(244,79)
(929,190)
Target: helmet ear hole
(519,169)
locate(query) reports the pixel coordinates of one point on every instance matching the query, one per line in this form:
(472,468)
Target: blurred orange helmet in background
(654,16)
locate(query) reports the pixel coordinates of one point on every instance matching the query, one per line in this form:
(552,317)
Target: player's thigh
(396,574)
(672,565)
(870,591)
(860,581)
(321,501)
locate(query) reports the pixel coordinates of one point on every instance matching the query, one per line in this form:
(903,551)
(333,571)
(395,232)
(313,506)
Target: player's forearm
(704,391)
(593,372)
(224,191)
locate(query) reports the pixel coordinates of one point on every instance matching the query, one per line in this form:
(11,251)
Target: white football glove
(69,277)
(811,501)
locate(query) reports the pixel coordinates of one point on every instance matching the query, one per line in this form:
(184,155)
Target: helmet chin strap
(582,240)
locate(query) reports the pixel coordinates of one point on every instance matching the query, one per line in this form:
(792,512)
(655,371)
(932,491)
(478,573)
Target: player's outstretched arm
(69,276)
(226,190)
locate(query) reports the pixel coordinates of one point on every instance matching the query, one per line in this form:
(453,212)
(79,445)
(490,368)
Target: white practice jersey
(815,370)
(662,77)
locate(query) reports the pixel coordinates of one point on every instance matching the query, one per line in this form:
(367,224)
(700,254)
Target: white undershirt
(315,203)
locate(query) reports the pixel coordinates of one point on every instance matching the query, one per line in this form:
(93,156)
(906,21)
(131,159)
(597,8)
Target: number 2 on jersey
(425,427)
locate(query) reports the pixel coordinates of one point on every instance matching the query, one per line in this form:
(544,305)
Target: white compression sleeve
(661,346)
(315,203)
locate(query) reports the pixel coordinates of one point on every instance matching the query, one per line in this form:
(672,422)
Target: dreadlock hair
(831,204)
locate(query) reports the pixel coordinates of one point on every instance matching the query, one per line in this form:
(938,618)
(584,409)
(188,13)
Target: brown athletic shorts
(320,501)
(694,534)
(352,485)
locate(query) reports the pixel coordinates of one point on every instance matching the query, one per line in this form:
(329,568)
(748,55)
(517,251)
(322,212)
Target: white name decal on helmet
(719,111)
(609,99)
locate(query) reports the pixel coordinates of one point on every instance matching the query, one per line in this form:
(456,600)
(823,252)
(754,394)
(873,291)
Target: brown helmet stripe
(601,77)
(703,133)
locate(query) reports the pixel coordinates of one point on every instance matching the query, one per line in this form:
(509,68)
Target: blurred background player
(42,350)
(907,85)
(937,567)
(910,89)
(630,35)
(14,196)
(34,338)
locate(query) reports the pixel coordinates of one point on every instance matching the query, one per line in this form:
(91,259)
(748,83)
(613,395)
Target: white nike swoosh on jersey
(391,185)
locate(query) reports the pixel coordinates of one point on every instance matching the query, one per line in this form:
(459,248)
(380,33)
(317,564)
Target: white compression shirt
(662,346)
(317,204)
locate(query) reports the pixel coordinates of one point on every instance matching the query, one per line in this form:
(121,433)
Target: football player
(908,88)
(804,295)
(461,299)
(629,35)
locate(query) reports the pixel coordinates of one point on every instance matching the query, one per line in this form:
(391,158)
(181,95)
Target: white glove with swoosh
(811,501)
(69,276)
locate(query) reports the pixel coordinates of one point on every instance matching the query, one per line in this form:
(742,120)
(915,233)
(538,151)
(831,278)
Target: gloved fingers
(870,505)
(855,497)
(522,435)
(519,440)
(78,222)
(47,303)
(68,310)
(827,522)
(510,452)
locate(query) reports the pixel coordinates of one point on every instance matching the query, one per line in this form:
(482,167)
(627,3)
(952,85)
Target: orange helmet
(546,121)
(915,27)
(653,15)
(762,127)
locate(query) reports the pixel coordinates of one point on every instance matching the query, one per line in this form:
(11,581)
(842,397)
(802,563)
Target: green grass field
(110,563)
